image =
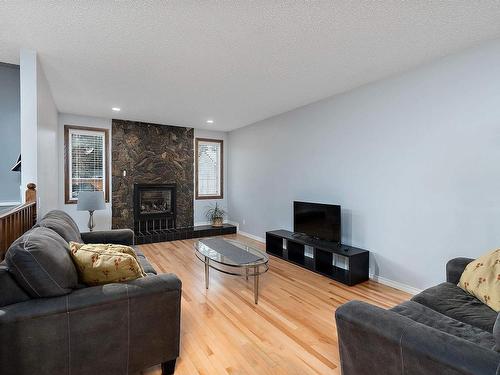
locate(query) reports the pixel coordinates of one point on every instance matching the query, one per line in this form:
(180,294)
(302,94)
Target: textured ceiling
(237,62)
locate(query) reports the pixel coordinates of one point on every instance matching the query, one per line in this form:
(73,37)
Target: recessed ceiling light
(116,109)
(210,121)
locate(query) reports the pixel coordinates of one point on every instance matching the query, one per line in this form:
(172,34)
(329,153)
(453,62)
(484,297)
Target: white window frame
(199,141)
(69,130)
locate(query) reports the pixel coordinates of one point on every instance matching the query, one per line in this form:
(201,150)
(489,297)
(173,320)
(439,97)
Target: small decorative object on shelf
(216,215)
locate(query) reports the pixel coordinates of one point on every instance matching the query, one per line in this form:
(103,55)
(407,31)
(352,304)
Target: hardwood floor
(291,331)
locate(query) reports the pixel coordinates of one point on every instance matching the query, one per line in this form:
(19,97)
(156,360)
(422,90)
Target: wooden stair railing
(15,222)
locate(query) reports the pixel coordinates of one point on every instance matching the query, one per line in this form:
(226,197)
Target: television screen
(317,220)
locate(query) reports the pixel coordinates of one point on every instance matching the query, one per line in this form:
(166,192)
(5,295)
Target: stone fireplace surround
(144,153)
(153,154)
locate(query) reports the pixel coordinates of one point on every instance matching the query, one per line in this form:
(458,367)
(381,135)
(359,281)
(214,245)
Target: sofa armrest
(377,341)
(123,327)
(114,236)
(454,269)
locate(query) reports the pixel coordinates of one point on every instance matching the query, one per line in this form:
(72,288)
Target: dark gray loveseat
(50,324)
(442,331)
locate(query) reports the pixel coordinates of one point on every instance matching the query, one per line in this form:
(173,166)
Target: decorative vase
(217,221)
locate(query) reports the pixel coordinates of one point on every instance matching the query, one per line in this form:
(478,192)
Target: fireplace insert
(155,204)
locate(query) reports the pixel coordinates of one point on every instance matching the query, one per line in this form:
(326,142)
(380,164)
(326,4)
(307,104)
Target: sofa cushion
(40,262)
(496,333)
(146,265)
(138,251)
(59,214)
(424,315)
(450,300)
(58,221)
(10,291)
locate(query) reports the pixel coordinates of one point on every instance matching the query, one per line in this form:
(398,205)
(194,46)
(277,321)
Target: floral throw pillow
(99,264)
(481,278)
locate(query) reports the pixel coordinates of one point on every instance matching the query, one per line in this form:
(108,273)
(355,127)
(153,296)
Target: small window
(86,161)
(209,169)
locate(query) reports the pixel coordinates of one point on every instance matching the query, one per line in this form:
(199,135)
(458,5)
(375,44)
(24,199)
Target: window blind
(209,169)
(87,161)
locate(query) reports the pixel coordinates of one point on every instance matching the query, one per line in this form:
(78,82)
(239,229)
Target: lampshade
(90,201)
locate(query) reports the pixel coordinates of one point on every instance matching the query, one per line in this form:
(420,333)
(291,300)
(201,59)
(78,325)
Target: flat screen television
(317,220)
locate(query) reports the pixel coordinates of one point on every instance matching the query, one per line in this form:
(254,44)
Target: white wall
(102,219)
(38,133)
(29,144)
(201,205)
(414,161)
(10,130)
(47,146)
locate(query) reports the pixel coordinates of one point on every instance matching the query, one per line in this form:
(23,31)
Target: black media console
(346,264)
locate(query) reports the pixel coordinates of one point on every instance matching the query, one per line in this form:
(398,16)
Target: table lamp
(90,201)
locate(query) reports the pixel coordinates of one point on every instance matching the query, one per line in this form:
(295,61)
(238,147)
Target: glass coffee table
(232,258)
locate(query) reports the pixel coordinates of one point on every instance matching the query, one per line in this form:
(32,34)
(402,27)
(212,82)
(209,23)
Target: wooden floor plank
(291,331)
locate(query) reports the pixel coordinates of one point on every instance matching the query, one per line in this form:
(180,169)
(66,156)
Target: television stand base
(346,264)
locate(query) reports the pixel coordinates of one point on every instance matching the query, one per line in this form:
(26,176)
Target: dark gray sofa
(442,330)
(114,329)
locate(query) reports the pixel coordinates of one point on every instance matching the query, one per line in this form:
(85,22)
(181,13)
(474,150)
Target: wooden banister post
(16,221)
(30,193)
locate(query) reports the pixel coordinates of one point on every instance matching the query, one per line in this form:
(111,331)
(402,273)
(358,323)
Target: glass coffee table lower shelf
(232,258)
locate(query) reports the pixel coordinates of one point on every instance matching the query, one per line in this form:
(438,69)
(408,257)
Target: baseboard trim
(253,237)
(395,284)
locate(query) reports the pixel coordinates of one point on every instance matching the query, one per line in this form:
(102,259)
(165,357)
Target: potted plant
(216,215)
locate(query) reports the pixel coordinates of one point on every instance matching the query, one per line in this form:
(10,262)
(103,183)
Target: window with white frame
(209,168)
(86,161)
